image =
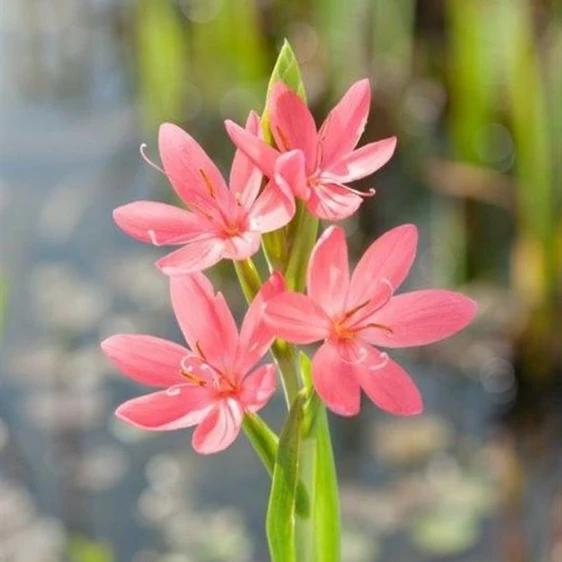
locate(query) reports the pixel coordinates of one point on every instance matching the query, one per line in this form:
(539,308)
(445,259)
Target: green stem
(275,250)
(283,352)
(266,443)
(304,230)
(249,278)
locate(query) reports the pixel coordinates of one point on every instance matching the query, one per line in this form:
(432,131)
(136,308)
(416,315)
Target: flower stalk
(286,175)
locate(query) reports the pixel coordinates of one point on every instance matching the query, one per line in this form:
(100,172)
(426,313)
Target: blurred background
(473,90)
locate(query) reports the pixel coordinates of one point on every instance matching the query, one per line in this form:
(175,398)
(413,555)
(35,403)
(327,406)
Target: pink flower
(223,222)
(353,317)
(207,385)
(316,164)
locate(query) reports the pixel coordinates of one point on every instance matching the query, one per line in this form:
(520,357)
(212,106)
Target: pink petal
(390,388)
(328,271)
(292,124)
(345,124)
(245,176)
(290,174)
(158,223)
(259,152)
(204,319)
(219,429)
(354,351)
(195,256)
(193,174)
(258,388)
(297,318)
(242,246)
(420,318)
(256,335)
(273,209)
(363,161)
(335,381)
(176,408)
(146,359)
(383,267)
(333,202)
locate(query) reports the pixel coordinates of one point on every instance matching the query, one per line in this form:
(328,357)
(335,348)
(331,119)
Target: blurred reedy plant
(501,75)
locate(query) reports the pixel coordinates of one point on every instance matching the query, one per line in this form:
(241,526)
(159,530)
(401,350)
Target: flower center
(231,230)
(342,332)
(349,325)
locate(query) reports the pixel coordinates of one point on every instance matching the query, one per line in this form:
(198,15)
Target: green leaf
(265,443)
(326,505)
(282,501)
(318,470)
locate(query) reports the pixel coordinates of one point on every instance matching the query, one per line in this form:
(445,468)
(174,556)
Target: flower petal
(292,124)
(242,246)
(146,359)
(245,176)
(335,381)
(297,318)
(195,256)
(383,267)
(256,335)
(176,408)
(259,152)
(204,319)
(333,202)
(390,387)
(219,429)
(328,271)
(290,174)
(362,162)
(258,388)
(345,124)
(193,174)
(273,209)
(420,318)
(159,224)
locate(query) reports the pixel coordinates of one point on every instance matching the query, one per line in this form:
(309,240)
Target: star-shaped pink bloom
(213,384)
(223,222)
(353,317)
(315,164)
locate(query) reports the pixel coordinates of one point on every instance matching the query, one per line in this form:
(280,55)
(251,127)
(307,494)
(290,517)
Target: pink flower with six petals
(354,316)
(316,164)
(223,222)
(207,385)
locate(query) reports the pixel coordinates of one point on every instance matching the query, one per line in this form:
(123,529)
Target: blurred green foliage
(81,549)
(476,83)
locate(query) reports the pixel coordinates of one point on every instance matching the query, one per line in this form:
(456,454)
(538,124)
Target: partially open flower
(312,164)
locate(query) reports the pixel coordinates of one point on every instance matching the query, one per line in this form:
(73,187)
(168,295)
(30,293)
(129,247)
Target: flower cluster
(214,382)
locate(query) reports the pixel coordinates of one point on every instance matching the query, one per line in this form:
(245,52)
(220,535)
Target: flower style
(207,385)
(223,222)
(354,316)
(314,165)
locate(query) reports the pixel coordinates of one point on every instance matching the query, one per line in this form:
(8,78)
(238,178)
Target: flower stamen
(208,183)
(142,150)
